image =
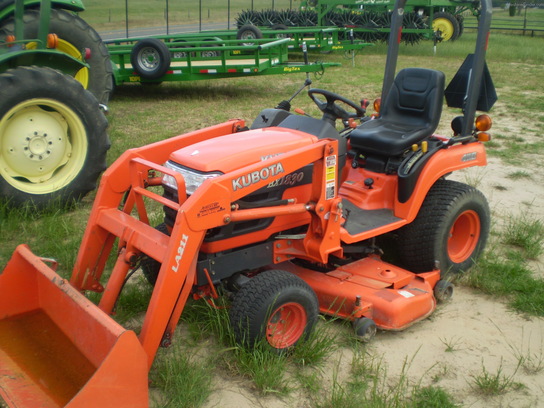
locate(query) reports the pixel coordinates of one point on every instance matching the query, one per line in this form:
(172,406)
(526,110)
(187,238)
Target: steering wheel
(331,110)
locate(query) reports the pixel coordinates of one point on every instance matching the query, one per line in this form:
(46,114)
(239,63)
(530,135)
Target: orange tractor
(285,216)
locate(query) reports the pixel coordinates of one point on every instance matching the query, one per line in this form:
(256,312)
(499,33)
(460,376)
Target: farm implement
(285,216)
(370,20)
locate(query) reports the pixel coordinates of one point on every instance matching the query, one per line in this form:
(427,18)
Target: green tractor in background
(75,38)
(53,138)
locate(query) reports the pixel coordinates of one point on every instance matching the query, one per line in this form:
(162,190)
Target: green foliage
(509,278)
(526,234)
(432,397)
(184,379)
(497,383)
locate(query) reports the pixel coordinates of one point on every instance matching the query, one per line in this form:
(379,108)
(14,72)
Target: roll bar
(476,71)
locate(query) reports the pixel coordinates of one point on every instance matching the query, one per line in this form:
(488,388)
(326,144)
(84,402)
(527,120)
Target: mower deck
(393,297)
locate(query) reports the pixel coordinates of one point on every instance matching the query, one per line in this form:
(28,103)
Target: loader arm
(120,213)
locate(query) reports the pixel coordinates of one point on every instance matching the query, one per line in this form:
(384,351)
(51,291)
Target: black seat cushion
(410,113)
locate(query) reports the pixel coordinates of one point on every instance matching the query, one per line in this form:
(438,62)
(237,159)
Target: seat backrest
(415,98)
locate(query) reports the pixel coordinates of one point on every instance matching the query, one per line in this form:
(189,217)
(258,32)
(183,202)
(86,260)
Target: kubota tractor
(283,215)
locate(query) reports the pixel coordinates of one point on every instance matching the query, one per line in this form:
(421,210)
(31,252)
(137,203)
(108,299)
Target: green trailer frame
(219,54)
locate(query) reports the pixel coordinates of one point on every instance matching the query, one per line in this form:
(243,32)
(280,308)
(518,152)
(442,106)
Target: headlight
(193,178)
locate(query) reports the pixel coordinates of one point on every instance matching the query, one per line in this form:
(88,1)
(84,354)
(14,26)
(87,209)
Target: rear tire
(74,36)
(451,227)
(53,139)
(274,306)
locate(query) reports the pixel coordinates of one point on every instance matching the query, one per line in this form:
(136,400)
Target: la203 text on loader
(282,215)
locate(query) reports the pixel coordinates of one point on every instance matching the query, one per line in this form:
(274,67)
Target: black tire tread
(261,292)
(417,239)
(23,83)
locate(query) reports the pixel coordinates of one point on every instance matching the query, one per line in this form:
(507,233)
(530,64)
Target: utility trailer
(221,54)
(323,39)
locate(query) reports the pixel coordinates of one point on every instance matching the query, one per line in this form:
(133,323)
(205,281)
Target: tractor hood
(231,152)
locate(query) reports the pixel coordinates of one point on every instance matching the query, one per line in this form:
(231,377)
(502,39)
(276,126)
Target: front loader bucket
(57,349)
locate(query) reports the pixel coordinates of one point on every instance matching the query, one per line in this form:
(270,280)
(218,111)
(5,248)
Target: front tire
(275,306)
(53,139)
(74,35)
(451,227)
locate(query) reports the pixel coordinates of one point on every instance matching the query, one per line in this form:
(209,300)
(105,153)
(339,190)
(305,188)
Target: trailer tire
(447,24)
(53,138)
(280,28)
(275,307)
(150,58)
(451,227)
(74,35)
(249,32)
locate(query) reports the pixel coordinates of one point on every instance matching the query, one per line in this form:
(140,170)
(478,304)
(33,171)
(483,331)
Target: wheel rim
(464,236)
(82,76)
(43,145)
(286,325)
(248,35)
(148,59)
(445,27)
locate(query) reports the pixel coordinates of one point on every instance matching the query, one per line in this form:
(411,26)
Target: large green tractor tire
(75,36)
(53,138)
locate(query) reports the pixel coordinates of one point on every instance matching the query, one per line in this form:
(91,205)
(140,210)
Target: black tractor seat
(410,113)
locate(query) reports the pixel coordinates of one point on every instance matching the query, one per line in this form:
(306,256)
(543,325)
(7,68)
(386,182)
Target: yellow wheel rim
(43,145)
(82,76)
(445,27)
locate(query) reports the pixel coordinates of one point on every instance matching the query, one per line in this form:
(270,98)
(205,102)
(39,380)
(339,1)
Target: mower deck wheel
(443,291)
(365,329)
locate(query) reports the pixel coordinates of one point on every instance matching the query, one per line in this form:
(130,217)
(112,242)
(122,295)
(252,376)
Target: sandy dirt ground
(471,333)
